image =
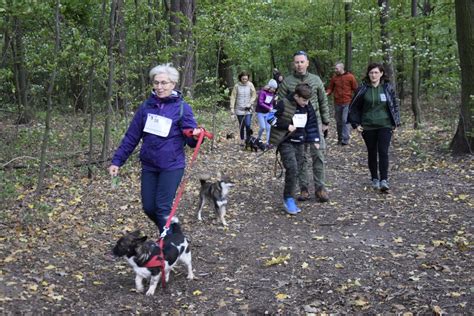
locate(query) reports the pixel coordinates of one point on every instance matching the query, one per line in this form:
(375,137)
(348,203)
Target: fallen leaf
(280,259)
(361,302)
(339,266)
(437,310)
(438,243)
(281,296)
(398,240)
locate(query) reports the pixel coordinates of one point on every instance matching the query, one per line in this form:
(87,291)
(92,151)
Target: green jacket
(319,100)
(283,117)
(276,134)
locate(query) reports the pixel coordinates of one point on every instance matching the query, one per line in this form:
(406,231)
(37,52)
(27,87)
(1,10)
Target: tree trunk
(385,36)
(224,65)
(91,122)
(6,42)
(109,101)
(174,22)
(415,75)
(427,9)
(348,35)
(224,73)
(401,76)
(272,57)
(188,8)
(122,86)
(25,113)
(463,140)
(44,145)
(372,40)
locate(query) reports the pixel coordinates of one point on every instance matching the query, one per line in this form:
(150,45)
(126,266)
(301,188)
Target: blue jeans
(158,191)
(343,130)
(263,126)
(245,125)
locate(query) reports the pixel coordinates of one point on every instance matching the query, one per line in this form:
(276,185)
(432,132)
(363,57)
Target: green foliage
(8,191)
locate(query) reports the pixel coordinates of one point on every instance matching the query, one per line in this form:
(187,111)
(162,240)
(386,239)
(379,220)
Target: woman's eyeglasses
(161,83)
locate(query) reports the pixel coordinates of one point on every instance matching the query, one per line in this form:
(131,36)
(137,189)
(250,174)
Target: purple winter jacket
(262,106)
(158,153)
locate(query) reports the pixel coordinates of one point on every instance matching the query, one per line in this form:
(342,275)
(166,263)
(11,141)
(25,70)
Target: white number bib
(158,125)
(299,120)
(383,97)
(268,99)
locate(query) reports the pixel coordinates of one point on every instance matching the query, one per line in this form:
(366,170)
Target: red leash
(187,133)
(159,260)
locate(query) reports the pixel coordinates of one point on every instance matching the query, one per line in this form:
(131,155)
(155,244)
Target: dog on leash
(139,250)
(254,143)
(215,193)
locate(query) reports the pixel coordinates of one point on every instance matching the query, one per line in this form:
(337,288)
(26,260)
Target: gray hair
(166,69)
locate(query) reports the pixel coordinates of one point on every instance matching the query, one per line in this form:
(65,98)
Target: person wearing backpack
(159,123)
(265,101)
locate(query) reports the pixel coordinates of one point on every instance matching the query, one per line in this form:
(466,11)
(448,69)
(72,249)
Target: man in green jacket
(320,104)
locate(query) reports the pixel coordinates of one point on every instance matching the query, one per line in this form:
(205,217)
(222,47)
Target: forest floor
(409,251)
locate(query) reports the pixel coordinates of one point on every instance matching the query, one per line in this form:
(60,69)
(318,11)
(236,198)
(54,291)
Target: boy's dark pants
(292,155)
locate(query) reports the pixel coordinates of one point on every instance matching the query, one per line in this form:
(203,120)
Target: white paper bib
(268,99)
(299,120)
(157,125)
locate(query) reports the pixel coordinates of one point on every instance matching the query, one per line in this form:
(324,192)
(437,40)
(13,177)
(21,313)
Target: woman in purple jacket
(265,101)
(159,123)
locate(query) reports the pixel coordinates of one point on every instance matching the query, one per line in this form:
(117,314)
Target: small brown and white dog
(215,193)
(139,250)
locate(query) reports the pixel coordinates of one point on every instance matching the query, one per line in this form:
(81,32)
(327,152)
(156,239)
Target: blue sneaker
(290,206)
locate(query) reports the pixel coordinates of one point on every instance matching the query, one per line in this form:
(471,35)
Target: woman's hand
(196,133)
(360,129)
(114,170)
(316,145)
(291,128)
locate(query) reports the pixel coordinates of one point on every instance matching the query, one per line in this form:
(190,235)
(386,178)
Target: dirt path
(407,251)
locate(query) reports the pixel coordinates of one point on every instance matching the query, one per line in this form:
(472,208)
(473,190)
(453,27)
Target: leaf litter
(408,251)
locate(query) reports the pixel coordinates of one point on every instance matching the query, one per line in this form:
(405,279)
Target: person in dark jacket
(159,123)
(293,124)
(374,112)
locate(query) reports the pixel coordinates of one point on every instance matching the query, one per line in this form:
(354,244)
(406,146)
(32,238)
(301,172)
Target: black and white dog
(139,250)
(254,143)
(215,193)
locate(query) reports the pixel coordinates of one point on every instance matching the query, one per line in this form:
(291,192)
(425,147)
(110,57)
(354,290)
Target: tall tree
(109,101)
(463,141)
(18,52)
(415,74)
(122,86)
(174,21)
(385,36)
(348,34)
(188,8)
(44,145)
